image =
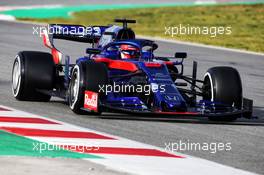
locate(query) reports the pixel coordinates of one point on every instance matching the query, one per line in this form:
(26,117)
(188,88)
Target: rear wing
(79,33)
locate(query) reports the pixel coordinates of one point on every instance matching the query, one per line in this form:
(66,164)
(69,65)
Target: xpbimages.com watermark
(212,147)
(66,30)
(212,31)
(42,147)
(131,88)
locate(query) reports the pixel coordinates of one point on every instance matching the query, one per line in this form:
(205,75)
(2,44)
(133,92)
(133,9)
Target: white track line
(7,8)
(4,17)
(201,2)
(7,17)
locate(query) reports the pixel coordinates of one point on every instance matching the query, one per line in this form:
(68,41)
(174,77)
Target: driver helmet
(129,51)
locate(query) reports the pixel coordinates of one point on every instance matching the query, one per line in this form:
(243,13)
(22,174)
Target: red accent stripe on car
(122,151)
(154,65)
(26,120)
(46,40)
(4,109)
(54,133)
(56,55)
(169,63)
(118,64)
(179,113)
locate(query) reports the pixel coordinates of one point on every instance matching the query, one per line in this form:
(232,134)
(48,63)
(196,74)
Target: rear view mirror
(92,51)
(180,55)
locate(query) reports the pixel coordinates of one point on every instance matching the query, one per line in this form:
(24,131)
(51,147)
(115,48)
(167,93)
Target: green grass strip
(13,145)
(247,22)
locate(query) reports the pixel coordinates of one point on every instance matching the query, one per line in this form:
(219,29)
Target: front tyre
(223,84)
(86,76)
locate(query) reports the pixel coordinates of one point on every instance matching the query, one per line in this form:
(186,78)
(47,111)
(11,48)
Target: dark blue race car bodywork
(157,76)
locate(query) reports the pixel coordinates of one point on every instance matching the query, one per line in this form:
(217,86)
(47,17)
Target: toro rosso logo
(91,101)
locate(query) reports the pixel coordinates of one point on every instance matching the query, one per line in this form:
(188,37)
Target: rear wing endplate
(79,33)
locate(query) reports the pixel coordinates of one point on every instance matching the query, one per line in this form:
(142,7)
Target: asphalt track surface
(246,136)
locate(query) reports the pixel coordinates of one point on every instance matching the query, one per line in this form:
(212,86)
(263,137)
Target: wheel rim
(16,77)
(74,87)
(208,87)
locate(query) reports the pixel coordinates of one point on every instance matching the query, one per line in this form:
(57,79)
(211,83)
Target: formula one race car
(120,73)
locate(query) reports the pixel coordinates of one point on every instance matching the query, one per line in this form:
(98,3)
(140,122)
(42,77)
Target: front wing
(246,112)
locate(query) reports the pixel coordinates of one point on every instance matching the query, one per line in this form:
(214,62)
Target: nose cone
(173,105)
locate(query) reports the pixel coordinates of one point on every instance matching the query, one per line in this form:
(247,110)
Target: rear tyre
(86,76)
(32,71)
(223,84)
